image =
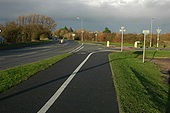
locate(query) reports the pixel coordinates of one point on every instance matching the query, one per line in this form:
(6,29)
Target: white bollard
(108,43)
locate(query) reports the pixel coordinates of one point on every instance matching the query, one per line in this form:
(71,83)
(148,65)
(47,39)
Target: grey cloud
(135,13)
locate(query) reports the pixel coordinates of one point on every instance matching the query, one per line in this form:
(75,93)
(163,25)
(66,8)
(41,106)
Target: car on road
(61,41)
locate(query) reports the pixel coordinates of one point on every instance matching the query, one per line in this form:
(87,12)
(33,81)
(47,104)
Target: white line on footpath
(50,102)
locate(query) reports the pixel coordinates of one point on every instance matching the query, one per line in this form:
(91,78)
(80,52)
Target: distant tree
(107,30)
(65,28)
(61,32)
(12,32)
(1,28)
(15,33)
(36,19)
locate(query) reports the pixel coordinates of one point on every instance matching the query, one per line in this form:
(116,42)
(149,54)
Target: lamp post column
(122,29)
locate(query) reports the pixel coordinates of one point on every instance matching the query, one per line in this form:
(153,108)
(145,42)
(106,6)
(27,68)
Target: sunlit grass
(104,43)
(15,75)
(140,87)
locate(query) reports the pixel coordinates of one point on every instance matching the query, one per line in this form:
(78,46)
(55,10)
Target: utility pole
(122,29)
(158,38)
(145,32)
(96,34)
(81,26)
(151,35)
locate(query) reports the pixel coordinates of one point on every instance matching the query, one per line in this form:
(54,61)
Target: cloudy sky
(96,14)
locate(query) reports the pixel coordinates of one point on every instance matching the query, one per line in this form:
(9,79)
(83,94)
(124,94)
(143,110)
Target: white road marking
(77,49)
(25,54)
(50,102)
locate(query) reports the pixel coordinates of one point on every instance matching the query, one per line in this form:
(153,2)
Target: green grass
(93,42)
(20,45)
(15,75)
(125,44)
(152,54)
(104,43)
(140,87)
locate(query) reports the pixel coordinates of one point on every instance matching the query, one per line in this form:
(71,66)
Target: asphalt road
(87,81)
(15,57)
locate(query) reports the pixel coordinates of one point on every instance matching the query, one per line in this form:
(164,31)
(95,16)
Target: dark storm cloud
(96,14)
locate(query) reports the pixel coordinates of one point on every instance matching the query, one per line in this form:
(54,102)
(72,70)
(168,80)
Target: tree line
(28,28)
(107,35)
(37,27)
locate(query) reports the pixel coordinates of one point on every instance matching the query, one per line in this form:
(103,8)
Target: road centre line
(50,102)
(25,54)
(77,48)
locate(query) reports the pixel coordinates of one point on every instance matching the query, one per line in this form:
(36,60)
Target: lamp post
(81,26)
(151,32)
(96,34)
(122,29)
(145,32)
(158,31)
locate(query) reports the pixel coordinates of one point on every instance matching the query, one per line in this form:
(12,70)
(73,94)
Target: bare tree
(37,19)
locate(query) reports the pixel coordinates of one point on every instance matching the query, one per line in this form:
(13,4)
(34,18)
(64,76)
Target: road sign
(146,32)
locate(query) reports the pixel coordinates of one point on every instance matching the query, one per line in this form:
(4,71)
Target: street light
(81,26)
(122,29)
(158,31)
(96,34)
(151,32)
(145,32)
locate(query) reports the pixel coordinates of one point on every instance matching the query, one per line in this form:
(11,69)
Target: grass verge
(104,43)
(152,54)
(15,75)
(140,87)
(21,45)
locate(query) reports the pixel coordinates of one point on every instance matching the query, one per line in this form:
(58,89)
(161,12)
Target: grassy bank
(21,45)
(15,75)
(140,87)
(152,54)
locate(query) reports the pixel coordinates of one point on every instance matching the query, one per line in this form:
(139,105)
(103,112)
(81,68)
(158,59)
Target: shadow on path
(33,87)
(52,81)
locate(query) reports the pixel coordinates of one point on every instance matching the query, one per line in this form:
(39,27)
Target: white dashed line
(25,54)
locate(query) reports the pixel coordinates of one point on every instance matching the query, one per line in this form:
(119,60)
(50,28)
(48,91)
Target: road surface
(15,57)
(81,83)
